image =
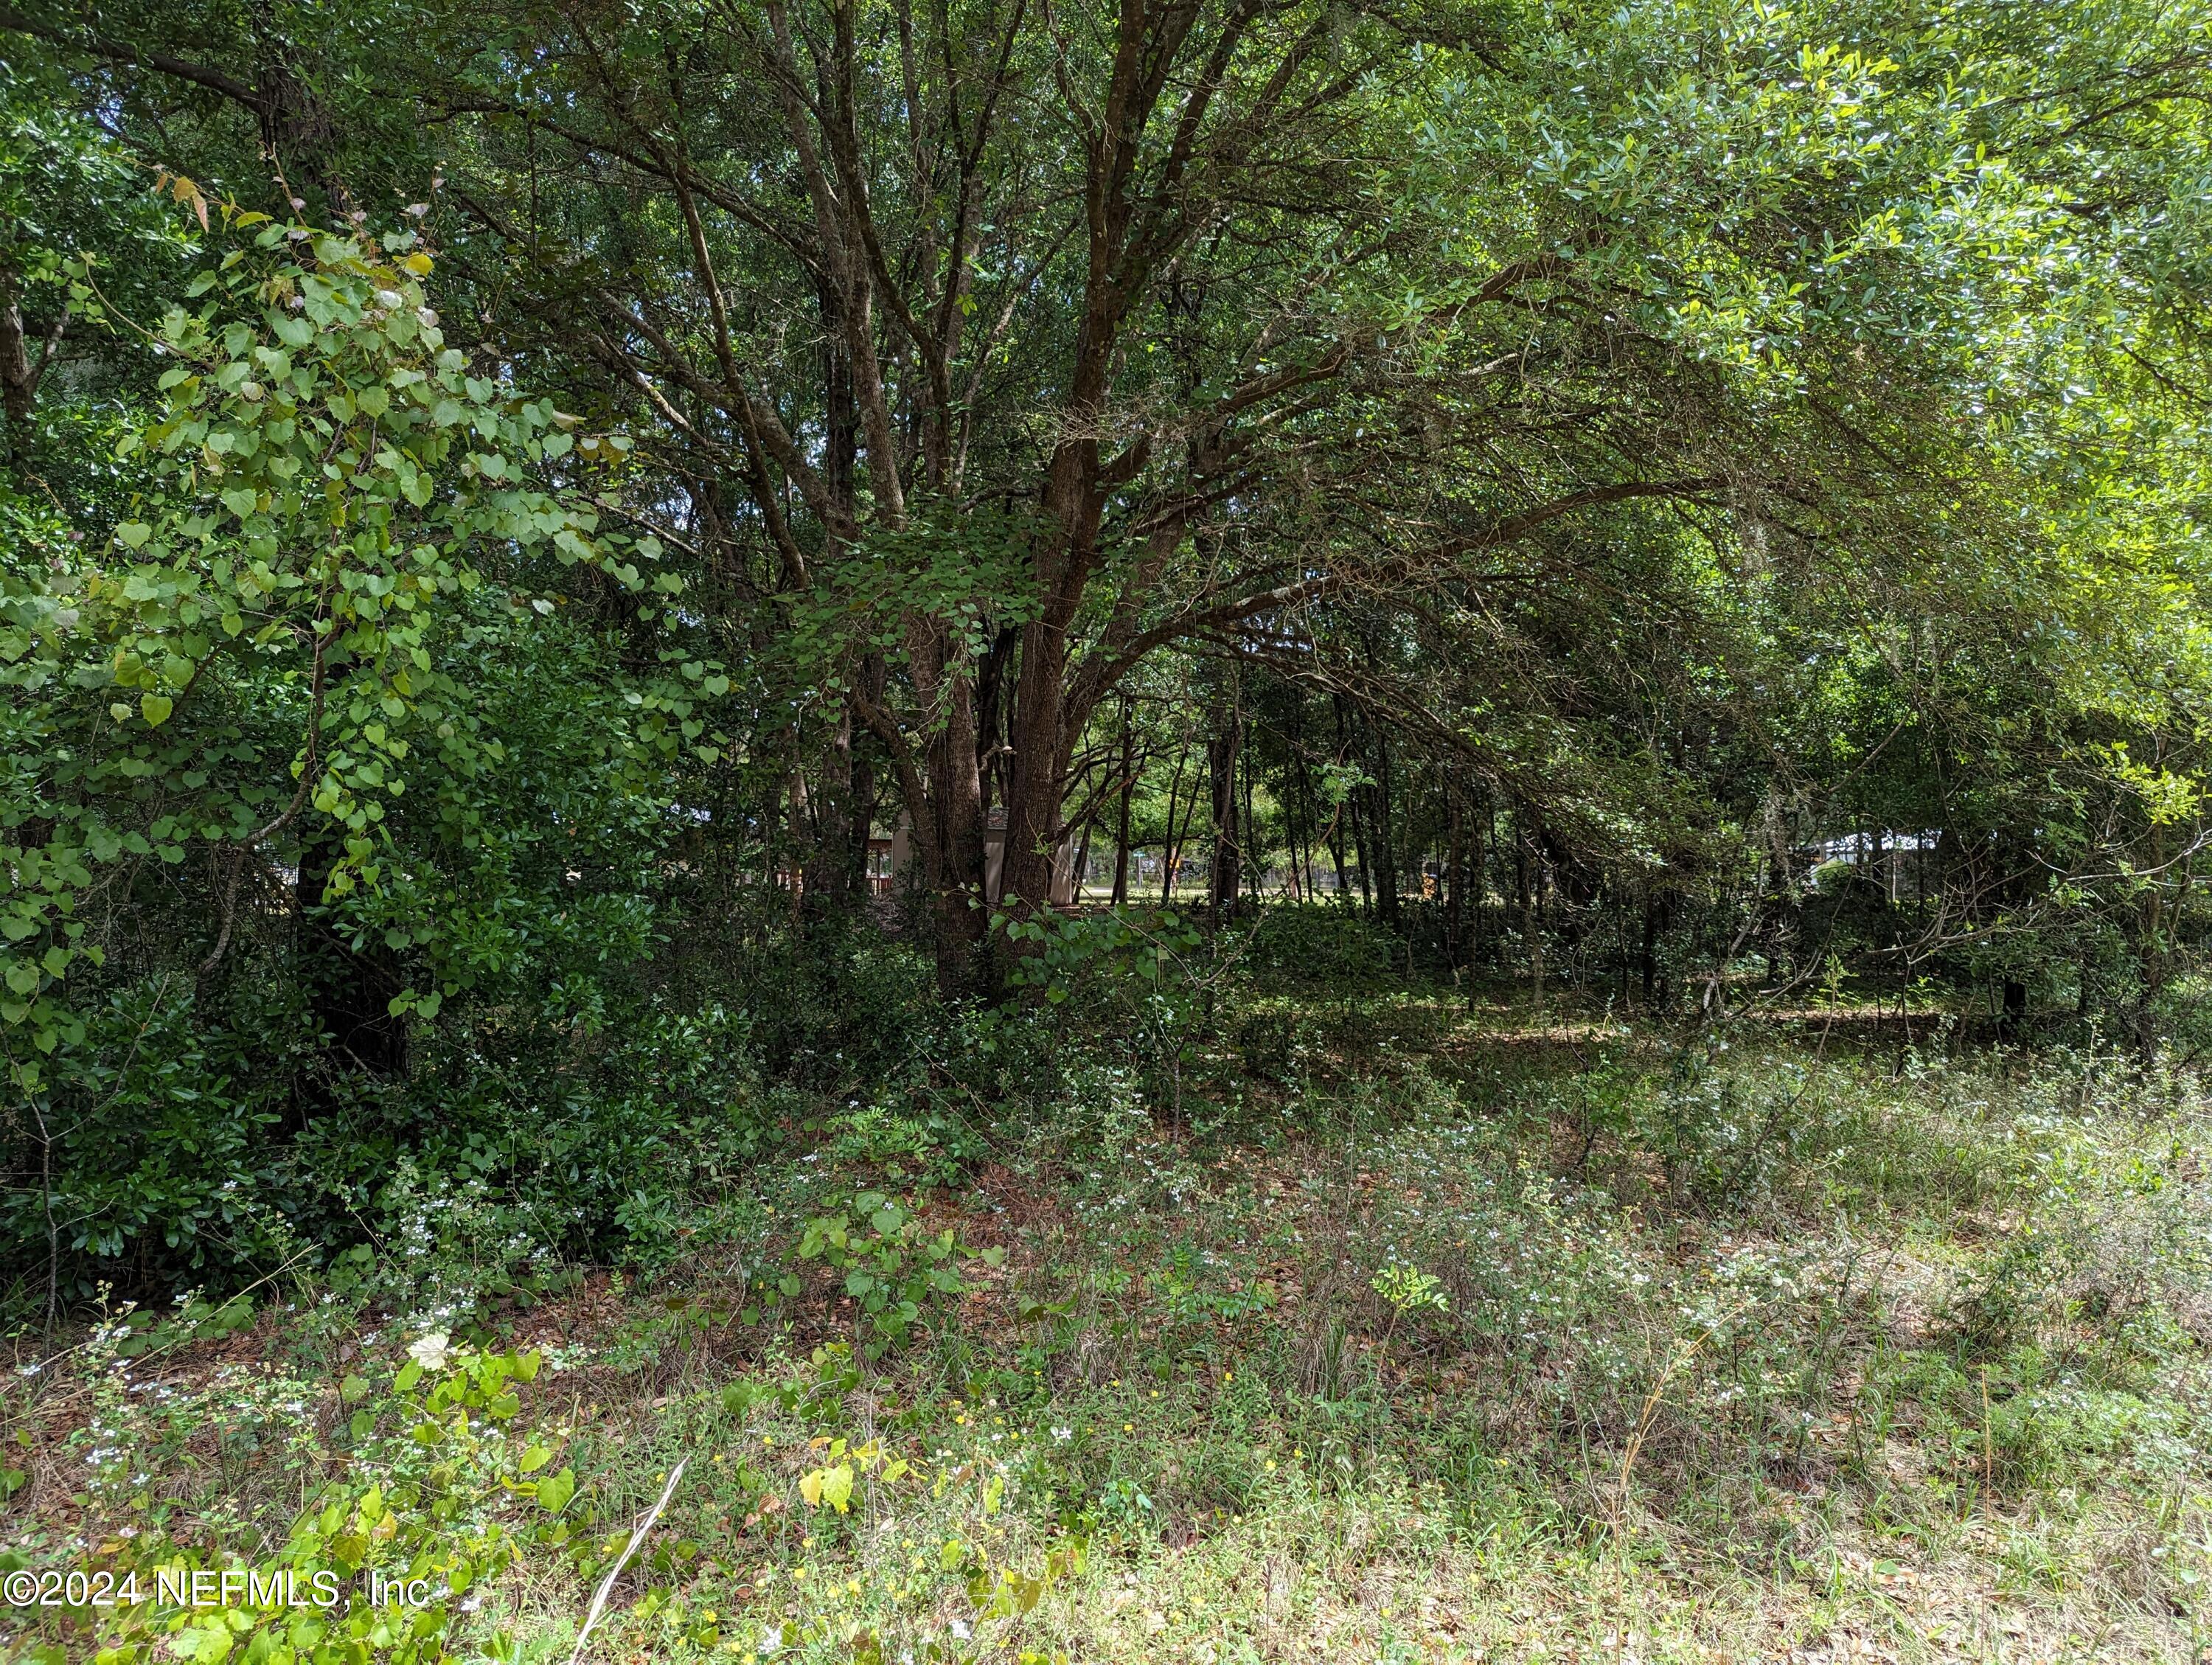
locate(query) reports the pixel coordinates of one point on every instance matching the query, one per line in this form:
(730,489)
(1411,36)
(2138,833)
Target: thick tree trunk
(952,840)
(1039,764)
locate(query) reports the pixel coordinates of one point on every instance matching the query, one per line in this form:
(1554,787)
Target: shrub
(149,1157)
(177,1156)
(594,1145)
(1317,944)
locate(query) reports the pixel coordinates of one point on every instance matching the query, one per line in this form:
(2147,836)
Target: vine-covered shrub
(178,1152)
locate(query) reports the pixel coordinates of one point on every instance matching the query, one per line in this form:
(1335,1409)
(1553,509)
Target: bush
(1315,944)
(179,1156)
(149,1158)
(595,1146)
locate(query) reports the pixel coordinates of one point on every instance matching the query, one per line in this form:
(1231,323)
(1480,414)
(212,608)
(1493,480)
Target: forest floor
(1438,1332)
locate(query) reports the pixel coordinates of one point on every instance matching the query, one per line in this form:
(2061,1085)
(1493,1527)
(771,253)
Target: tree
(256,659)
(973,356)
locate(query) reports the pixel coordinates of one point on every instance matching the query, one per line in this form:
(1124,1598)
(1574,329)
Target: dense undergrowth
(1210,1314)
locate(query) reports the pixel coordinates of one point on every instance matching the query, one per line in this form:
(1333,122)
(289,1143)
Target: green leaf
(554,1492)
(156,708)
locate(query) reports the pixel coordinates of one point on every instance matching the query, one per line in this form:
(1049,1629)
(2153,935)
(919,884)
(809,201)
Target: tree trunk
(1532,922)
(949,830)
(867,781)
(20,368)
(1189,815)
(1255,877)
(1379,836)
(1648,958)
(1168,834)
(1128,789)
(1479,878)
(1359,844)
(1453,903)
(1082,867)
(1224,880)
(1039,771)
(828,864)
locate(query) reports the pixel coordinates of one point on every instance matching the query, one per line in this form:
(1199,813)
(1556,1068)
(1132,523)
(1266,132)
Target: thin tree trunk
(1309,817)
(1128,789)
(1223,882)
(866,788)
(1366,860)
(1532,906)
(1253,877)
(828,864)
(1168,835)
(1454,901)
(801,821)
(1485,840)
(1654,920)
(1379,835)
(1189,815)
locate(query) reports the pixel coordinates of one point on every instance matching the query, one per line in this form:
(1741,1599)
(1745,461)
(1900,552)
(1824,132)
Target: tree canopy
(513,488)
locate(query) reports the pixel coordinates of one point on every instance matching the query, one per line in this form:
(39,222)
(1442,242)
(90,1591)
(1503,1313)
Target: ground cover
(1422,1330)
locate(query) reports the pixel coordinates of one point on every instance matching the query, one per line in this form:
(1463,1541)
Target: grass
(1727,1348)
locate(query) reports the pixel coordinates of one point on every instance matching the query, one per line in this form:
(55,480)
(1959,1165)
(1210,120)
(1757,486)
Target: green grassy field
(1420,1333)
